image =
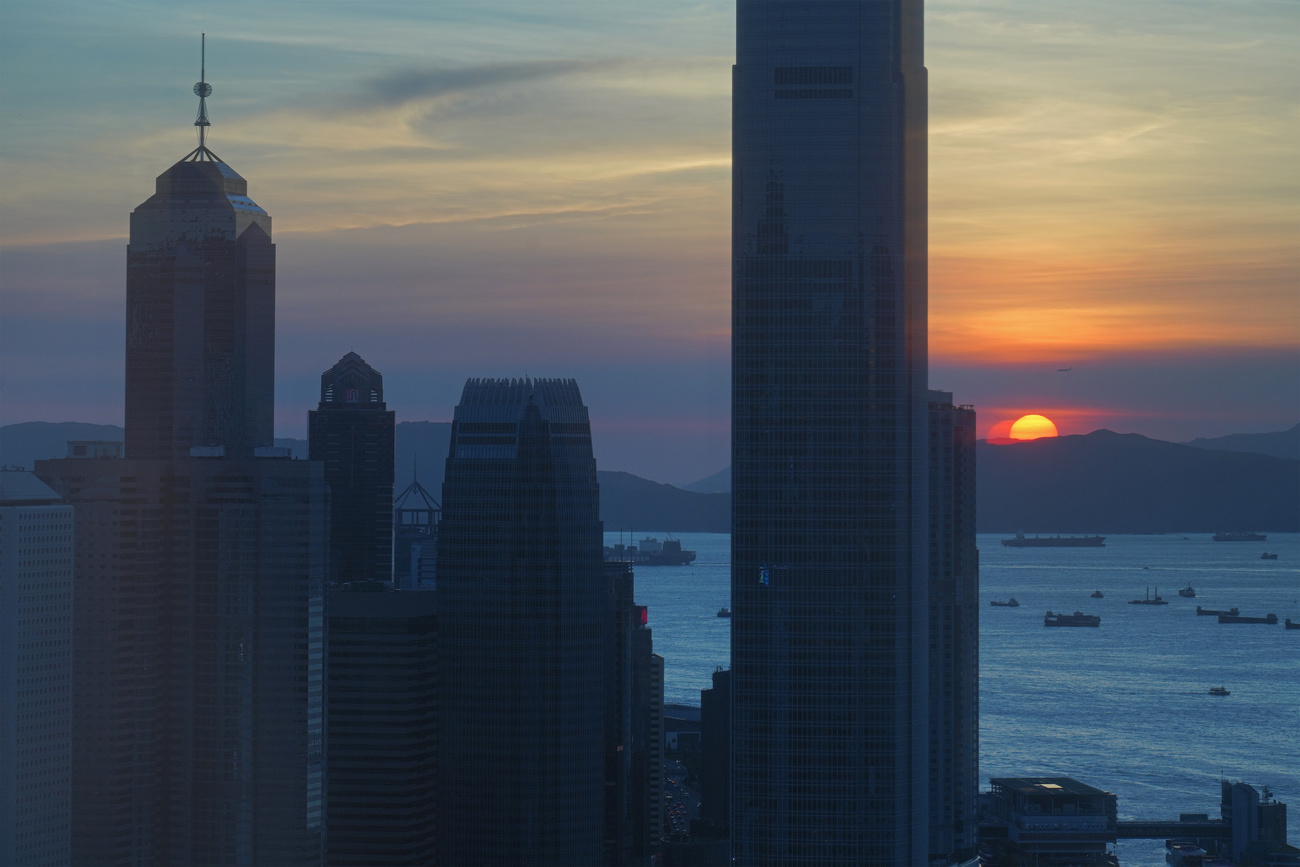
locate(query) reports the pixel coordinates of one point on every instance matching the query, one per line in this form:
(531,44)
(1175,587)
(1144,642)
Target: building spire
(203,90)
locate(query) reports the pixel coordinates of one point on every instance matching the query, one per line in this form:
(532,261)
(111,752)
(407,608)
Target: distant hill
(718,483)
(1106,482)
(1282,444)
(628,502)
(1103,482)
(21,445)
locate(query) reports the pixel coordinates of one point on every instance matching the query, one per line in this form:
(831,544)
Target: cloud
(402,86)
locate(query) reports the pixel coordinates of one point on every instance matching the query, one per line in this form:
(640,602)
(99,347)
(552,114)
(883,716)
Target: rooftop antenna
(203,90)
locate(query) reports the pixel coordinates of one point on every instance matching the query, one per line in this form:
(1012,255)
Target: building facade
(830,513)
(351,433)
(954,634)
(36,563)
(199,603)
(523,604)
(200,315)
(382,722)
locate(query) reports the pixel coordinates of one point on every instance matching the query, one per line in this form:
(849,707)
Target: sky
(518,188)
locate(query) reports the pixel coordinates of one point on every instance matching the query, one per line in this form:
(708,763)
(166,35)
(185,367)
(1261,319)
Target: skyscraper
(351,432)
(35,672)
(383,702)
(954,634)
(200,312)
(522,623)
(829,446)
(198,726)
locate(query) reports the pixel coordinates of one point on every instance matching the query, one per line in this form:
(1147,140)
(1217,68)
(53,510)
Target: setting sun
(1031,427)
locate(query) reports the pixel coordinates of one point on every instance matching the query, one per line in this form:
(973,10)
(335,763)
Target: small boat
(724,612)
(1219,690)
(1097,594)
(1290,625)
(1078,618)
(1237,618)
(1214,612)
(1010,603)
(1149,600)
(1267,556)
(1187,592)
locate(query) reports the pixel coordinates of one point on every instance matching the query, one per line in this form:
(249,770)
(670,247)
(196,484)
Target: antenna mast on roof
(203,90)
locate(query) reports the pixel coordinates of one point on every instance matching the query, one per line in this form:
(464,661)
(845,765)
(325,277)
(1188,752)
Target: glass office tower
(829,425)
(522,625)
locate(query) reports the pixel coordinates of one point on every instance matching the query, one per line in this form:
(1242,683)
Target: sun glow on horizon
(1032,427)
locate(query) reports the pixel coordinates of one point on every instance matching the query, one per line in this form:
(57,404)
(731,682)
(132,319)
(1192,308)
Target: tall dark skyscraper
(351,432)
(200,312)
(954,634)
(829,435)
(522,624)
(199,589)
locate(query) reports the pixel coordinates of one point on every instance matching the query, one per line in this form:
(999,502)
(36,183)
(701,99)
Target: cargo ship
(1240,537)
(1023,541)
(1240,618)
(1214,612)
(651,552)
(1078,618)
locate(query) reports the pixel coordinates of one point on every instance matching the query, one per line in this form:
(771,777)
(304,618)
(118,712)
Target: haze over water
(1124,707)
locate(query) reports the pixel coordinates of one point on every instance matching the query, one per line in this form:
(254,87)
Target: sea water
(1124,707)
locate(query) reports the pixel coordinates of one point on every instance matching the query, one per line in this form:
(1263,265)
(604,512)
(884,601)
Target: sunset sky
(510,188)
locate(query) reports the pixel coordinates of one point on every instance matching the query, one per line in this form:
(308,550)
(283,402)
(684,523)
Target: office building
(522,624)
(634,708)
(830,518)
(198,724)
(715,751)
(383,700)
(35,673)
(351,432)
(954,634)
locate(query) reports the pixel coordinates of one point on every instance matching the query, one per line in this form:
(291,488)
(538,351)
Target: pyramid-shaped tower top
(352,384)
(199,196)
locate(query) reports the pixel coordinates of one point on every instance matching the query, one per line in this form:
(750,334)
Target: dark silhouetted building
(415,538)
(522,626)
(830,518)
(954,634)
(200,315)
(351,432)
(634,709)
(715,751)
(35,672)
(1049,820)
(199,598)
(383,696)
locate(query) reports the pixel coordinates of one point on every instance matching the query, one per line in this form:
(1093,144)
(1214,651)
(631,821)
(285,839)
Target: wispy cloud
(401,86)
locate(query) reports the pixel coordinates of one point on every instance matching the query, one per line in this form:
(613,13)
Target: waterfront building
(35,673)
(830,518)
(383,699)
(954,634)
(522,626)
(198,681)
(1049,820)
(351,432)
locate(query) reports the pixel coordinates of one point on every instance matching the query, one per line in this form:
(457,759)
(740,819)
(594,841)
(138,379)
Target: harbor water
(1124,707)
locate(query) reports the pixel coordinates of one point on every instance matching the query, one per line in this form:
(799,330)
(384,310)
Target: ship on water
(1240,537)
(651,552)
(1078,618)
(1023,541)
